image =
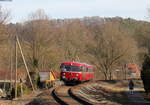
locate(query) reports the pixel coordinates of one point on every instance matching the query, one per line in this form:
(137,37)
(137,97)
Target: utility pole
(125,71)
(117,71)
(16,48)
(11,65)
(27,70)
(11,69)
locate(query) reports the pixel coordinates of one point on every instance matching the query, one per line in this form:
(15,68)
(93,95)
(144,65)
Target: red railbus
(75,72)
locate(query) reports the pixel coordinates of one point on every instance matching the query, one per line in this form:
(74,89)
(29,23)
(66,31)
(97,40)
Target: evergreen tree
(145,73)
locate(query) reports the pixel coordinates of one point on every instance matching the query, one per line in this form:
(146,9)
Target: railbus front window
(70,68)
(75,68)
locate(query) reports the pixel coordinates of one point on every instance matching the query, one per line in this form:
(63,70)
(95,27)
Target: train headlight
(77,74)
(64,73)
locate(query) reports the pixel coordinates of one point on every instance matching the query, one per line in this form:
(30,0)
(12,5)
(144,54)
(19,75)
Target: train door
(88,74)
(83,73)
(92,73)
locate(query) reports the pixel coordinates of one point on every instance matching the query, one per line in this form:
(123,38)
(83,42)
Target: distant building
(6,75)
(133,70)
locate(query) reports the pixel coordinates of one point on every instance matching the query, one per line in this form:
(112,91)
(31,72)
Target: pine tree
(145,73)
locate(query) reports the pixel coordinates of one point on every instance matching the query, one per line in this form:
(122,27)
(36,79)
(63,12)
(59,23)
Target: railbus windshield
(70,68)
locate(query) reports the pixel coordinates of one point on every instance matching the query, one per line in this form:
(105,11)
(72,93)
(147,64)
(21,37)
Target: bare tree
(38,39)
(72,40)
(110,46)
(4,36)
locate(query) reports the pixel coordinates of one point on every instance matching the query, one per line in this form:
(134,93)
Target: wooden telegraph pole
(27,70)
(11,65)
(16,49)
(17,44)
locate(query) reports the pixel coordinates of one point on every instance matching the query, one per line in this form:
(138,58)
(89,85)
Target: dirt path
(136,97)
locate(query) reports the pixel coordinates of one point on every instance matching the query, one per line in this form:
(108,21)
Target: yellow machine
(51,77)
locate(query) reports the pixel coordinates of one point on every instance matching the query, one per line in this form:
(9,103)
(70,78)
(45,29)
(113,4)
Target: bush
(25,89)
(35,79)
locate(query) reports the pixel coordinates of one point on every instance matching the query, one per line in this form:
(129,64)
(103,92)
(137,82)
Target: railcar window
(87,69)
(84,69)
(71,68)
(62,66)
(68,68)
(75,68)
(90,69)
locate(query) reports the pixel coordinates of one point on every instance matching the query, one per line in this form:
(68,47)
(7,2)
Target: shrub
(25,89)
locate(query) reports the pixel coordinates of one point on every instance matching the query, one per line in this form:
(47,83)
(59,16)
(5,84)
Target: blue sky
(136,9)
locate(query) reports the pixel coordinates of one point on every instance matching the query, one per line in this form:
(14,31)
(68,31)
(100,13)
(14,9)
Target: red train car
(75,72)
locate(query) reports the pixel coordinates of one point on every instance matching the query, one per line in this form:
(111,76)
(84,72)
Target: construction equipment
(47,78)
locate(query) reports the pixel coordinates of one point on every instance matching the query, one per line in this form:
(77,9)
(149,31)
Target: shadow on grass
(110,81)
(123,98)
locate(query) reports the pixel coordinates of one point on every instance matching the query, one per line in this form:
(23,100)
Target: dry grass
(119,86)
(112,91)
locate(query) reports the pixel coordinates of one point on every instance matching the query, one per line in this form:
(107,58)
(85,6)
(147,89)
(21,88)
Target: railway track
(90,93)
(64,96)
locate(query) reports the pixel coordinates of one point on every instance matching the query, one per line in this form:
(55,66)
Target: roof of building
(133,67)
(6,74)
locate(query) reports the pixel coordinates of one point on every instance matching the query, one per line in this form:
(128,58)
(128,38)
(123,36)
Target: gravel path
(112,95)
(136,97)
